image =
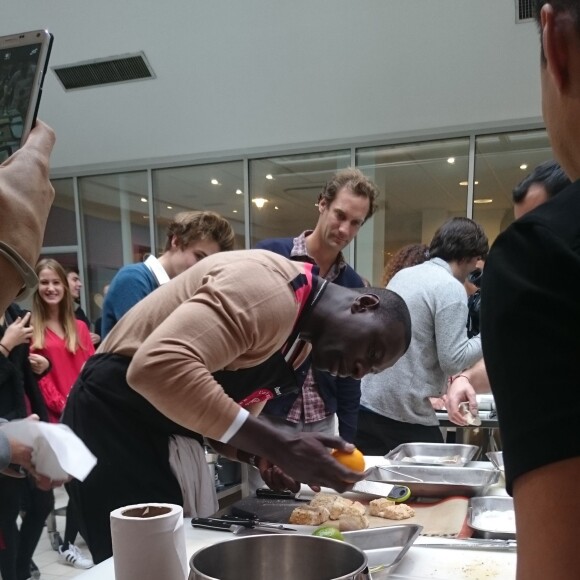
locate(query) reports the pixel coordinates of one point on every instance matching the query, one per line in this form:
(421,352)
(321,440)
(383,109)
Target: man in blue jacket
(344,205)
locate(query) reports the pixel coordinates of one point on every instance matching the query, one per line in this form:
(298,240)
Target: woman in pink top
(57,335)
(66,343)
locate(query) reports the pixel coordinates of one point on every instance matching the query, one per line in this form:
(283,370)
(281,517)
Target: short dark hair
(457,239)
(548,174)
(569,6)
(392,309)
(357,182)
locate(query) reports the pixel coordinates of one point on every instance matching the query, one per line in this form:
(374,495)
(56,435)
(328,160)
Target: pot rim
(361,573)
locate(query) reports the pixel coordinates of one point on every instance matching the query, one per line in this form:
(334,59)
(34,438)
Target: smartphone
(23,64)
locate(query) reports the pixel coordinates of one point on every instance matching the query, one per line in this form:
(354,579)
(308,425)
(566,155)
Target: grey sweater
(439,345)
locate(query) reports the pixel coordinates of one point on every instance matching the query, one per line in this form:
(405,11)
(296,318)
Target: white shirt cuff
(235,426)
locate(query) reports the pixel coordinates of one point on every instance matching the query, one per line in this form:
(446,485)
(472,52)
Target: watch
(27,274)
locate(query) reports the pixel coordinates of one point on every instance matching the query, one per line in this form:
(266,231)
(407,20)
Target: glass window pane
(421,184)
(61,229)
(214,187)
(290,186)
(501,162)
(115,212)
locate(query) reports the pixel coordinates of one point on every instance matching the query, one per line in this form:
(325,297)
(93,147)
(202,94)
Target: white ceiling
(237,76)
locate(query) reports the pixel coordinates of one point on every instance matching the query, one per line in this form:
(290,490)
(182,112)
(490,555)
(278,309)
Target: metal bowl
(280,556)
(436,480)
(479,505)
(444,454)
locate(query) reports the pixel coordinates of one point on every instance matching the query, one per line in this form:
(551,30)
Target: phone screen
(20,82)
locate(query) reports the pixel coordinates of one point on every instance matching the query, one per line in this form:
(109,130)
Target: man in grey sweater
(395,405)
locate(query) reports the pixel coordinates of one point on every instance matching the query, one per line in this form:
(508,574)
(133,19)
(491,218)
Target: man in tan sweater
(202,354)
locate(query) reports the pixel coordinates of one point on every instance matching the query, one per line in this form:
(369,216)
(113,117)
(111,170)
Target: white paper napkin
(57,452)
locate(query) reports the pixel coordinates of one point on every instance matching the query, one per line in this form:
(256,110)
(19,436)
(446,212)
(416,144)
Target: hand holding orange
(354,460)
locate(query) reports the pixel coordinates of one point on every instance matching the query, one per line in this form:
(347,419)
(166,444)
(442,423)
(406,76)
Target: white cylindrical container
(149,542)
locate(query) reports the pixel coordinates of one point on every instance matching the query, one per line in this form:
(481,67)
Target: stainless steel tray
(478,505)
(384,547)
(437,481)
(445,454)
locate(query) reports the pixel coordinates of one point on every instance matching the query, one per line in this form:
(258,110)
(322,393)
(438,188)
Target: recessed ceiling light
(276,207)
(260,202)
(235,211)
(451,160)
(215,182)
(169,207)
(269,176)
(144,199)
(486,200)
(524,166)
(239,191)
(464,183)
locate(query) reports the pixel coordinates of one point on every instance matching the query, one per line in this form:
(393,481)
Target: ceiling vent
(524,10)
(104,71)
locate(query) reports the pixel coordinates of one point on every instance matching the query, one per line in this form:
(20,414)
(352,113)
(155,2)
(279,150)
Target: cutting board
(443,518)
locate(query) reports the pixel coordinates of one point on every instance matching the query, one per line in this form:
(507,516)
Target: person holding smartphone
(26,196)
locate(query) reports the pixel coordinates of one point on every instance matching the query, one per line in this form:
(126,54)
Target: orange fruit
(354,460)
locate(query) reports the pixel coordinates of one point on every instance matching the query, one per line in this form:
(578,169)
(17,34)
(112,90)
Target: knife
(264,492)
(236,525)
(475,544)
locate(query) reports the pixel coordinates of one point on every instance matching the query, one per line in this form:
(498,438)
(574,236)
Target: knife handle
(221,523)
(211,523)
(399,493)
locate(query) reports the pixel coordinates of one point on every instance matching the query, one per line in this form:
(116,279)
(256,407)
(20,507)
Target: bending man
(191,359)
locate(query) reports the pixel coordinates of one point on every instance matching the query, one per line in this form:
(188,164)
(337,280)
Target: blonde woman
(66,343)
(57,335)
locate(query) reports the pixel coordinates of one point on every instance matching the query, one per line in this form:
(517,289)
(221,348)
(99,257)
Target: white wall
(235,75)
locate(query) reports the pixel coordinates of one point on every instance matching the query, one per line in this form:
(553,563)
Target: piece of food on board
(385,508)
(309,515)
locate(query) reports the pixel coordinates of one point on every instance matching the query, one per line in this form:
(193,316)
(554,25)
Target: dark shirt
(19,392)
(80,315)
(530,329)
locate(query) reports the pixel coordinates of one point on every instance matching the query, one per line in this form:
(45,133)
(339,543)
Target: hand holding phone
(23,64)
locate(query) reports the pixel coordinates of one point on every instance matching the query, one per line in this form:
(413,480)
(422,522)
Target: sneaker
(74,557)
(34,571)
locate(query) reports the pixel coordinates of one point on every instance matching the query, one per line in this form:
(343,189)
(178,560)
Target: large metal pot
(279,556)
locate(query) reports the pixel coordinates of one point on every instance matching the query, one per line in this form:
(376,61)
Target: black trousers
(377,435)
(18,545)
